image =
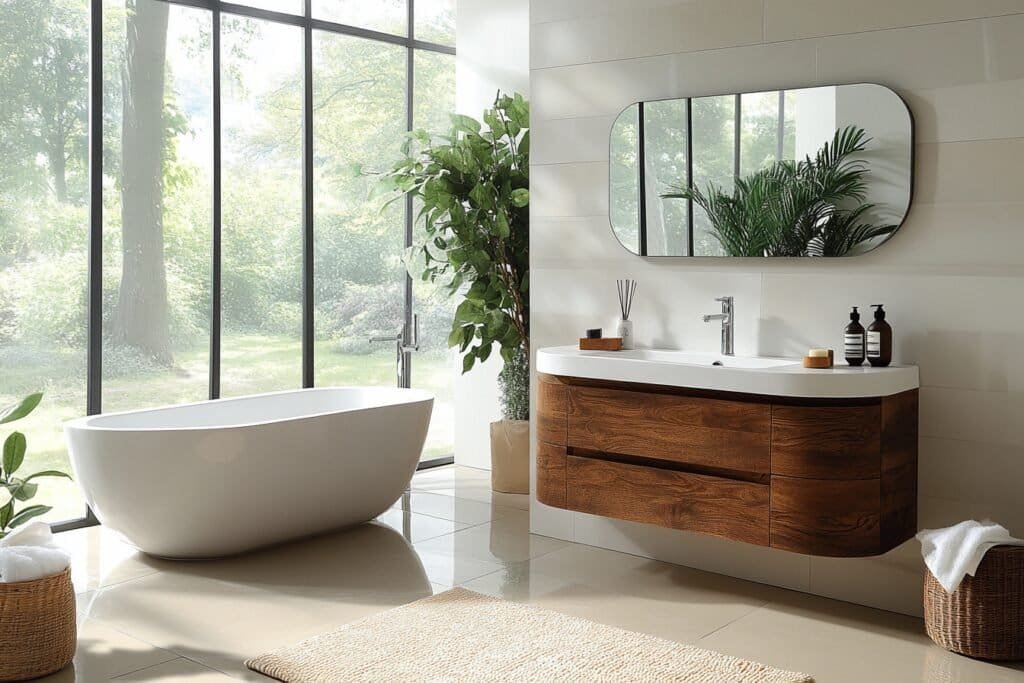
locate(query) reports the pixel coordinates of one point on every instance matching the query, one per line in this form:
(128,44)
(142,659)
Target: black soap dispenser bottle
(879,339)
(853,340)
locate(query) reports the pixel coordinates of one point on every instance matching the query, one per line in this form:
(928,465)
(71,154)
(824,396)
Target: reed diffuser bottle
(627,288)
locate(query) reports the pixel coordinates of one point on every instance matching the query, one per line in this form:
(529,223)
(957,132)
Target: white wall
(952,279)
(492,53)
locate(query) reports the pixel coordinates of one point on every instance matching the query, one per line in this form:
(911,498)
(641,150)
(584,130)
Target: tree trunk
(58,168)
(141,316)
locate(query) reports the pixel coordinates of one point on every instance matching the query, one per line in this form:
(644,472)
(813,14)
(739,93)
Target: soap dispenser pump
(879,339)
(853,340)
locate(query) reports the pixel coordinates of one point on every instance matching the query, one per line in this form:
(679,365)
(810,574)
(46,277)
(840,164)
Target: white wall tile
(560,141)
(976,171)
(963,470)
(640,32)
(789,19)
(936,56)
(569,190)
(542,11)
(606,88)
(573,242)
(751,562)
(972,111)
(871,581)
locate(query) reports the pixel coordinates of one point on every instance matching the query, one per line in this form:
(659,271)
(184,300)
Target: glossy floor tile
(145,619)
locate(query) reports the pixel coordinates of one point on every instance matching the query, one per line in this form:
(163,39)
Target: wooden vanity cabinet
(834,477)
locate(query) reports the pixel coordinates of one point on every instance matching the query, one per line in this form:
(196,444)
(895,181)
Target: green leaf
(6,512)
(502,226)
(5,500)
(520,197)
(20,409)
(465,124)
(48,473)
(22,490)
(467,362)
(14,452)
(28,513)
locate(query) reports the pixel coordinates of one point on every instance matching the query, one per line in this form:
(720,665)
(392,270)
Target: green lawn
(250,364)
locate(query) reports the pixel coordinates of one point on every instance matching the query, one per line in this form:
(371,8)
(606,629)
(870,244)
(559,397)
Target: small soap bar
(819,359)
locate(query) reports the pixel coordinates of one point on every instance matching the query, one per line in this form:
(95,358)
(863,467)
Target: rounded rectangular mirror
(824,171)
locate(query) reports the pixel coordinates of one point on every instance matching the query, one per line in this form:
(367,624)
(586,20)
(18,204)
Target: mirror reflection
(823,171)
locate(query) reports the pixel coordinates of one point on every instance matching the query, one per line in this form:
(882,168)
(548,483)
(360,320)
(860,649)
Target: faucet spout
(727,316)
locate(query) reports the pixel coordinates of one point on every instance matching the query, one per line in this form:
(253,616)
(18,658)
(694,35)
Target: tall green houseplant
(473,184)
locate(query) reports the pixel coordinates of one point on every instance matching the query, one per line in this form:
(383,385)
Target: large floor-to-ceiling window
(187,207)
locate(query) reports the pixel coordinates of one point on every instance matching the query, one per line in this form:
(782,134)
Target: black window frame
(308,23)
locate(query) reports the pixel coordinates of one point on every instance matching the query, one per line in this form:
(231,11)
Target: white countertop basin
(740,374)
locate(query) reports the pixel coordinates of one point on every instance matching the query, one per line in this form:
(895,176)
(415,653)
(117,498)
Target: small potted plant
(37,618)
(474,187)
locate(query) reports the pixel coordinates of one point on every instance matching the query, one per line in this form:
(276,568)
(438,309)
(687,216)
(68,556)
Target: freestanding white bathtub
(221,477)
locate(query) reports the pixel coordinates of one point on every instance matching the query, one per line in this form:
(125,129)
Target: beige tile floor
(143,619)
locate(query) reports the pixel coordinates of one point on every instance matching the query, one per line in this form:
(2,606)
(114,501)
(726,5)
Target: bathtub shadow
(369,560)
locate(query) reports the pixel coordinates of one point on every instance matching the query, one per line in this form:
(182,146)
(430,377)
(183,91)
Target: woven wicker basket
(984,617)
(37,627)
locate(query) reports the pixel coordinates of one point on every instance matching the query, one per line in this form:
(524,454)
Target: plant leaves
(23,490)
(520,197)
(48,473)
(20,409)
(465,124)
(14,453)
(5,500)
(28,513)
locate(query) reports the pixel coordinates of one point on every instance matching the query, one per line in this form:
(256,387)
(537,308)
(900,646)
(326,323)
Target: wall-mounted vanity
(760,450)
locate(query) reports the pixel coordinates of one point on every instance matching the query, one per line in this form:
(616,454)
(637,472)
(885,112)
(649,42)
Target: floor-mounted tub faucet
(727,316)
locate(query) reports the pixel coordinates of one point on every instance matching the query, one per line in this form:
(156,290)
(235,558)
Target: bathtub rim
(406,397)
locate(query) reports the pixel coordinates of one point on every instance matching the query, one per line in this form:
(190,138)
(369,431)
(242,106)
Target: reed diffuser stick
(627,288)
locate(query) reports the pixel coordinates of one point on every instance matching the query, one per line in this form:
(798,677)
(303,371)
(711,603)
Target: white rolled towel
(30,562)
(954,552)
(35,533)
(28,553)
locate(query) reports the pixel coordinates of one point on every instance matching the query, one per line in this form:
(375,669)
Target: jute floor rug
(460,635)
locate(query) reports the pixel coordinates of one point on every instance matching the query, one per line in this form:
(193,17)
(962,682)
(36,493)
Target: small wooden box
(603,344)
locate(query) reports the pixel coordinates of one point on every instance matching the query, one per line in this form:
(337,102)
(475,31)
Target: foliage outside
(473,184)
(157,246)
(813,207)
(14,490)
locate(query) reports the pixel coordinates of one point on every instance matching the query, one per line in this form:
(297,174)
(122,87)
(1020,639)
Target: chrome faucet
(727,316)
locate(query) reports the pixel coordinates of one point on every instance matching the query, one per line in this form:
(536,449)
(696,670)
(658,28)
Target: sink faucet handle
(724,299)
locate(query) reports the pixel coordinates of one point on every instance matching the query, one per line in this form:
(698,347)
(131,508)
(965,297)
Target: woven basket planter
(984,617)
(37,627)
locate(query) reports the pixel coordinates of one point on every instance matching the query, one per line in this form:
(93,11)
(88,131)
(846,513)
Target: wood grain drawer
(552,402)
(680,500)
(551,474)
(836,442)
(826,517)
(711,433)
